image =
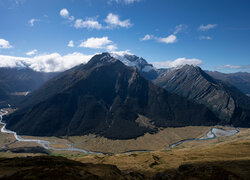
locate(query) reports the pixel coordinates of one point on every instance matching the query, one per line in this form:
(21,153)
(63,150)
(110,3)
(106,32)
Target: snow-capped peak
(131,60)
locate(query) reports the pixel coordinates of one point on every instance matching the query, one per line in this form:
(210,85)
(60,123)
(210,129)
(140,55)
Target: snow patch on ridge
(131,60)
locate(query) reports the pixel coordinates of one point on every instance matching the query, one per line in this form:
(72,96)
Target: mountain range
(123,97)
(107,98)
(241,80)
(14,81)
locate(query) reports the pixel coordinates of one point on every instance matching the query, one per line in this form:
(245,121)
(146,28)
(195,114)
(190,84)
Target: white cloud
(30,53)
(32,22)
(168,40)
(88,23)
(180,28)
(131,1)
(111,48)
(96,43)
(46,63)
(147,37)
(207,27)
(113,20)
(177,62)
(12,61)
(64,13)
(121,53)
(71,43)
(71,18)
(205,38)
(4,44)
(124,1)
(228,66)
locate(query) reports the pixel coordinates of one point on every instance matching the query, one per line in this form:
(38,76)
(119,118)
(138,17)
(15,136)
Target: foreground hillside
(50,167)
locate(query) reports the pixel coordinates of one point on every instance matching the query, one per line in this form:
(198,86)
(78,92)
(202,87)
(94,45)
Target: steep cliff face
(193,83)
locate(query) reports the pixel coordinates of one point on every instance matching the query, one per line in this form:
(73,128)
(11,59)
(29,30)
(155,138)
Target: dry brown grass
(158,141)
(152,142)
(227,153)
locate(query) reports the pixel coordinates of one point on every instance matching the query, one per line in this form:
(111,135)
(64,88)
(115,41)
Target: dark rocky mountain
(106,98)
(241,80)
(226,101)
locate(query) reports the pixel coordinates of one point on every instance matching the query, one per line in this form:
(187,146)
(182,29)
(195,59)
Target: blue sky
(214,34)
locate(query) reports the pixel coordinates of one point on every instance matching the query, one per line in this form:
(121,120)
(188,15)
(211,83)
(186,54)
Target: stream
(43,143)
(212,134)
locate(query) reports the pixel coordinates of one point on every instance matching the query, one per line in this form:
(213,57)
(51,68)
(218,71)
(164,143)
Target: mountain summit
(148,71)
(107,98)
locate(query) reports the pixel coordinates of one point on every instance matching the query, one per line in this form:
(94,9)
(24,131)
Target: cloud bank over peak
(53,62)
(177,63)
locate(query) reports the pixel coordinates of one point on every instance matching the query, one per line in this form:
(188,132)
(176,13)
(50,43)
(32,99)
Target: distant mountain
(106,98)
(16,82)
(3,95)
(241,80)
(226,101)
(20,80)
